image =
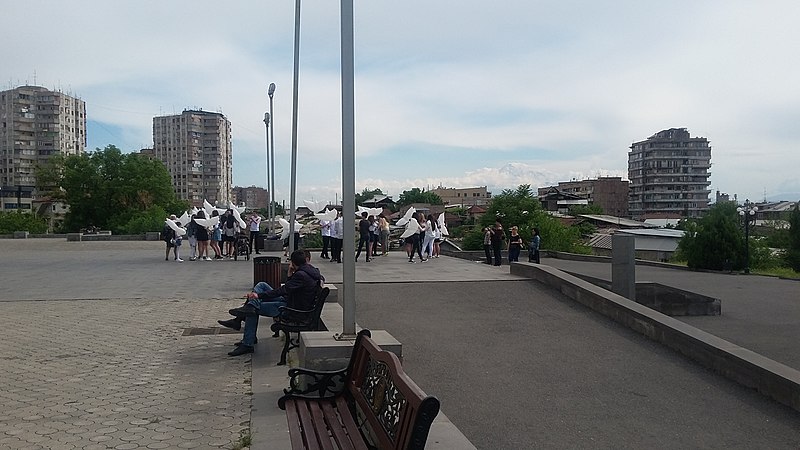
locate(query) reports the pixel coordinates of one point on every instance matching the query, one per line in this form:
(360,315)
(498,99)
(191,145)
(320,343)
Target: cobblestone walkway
(119,374)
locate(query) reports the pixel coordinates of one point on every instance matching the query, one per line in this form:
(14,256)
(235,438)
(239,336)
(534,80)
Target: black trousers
(326,241)
(363,239)
(487,249)
(254,240)
(498,256)
(336,249)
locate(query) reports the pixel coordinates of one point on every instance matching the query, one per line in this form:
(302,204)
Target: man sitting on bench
(301,287)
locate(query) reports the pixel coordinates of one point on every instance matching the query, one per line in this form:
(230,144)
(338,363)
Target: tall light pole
(293,182)
(748,213)
(271,188)
(348,171)
(269,193)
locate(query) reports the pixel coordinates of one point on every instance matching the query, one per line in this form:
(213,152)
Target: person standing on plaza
(383,224)
(363,234)
(533,248)
(167,235)
(427,241)
(202,239)
(375,235)
(337,238)
(514,245)
(191,235)
(487,244)
(254,221)
(229,230)
(498,236)
(215,235)
(176,243)
(416,238)
(325,230)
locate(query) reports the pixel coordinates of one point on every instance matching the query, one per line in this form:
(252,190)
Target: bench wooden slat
(307,424)
(333,419)
(350,424)
(320,426)
(292,416)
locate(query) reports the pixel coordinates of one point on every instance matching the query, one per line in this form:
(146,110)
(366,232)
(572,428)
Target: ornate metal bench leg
(287,339)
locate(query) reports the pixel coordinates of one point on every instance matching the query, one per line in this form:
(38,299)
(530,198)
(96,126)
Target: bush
(11,221)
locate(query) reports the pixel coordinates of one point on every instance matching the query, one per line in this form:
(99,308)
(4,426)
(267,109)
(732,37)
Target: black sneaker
(241,350)
(234,324)
(240,342)
(246,310)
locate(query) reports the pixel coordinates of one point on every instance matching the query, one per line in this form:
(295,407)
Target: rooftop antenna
(34,77)
(765,195)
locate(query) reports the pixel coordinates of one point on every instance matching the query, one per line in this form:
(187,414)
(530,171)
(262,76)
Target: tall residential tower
(35,123)
(195,146)
(669,175)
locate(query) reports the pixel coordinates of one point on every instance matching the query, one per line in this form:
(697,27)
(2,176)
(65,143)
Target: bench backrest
(398,412)
(319,302)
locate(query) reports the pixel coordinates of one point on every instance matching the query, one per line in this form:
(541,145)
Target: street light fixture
(748,213)
(269,197)
(271,92)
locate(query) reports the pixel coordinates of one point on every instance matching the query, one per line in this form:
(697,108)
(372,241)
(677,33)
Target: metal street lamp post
(271,187)
(269,193)
(293,168)
(348,170)
(748,213)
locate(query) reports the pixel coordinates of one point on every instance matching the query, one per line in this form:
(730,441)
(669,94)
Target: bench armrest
(313,384)
(283,309)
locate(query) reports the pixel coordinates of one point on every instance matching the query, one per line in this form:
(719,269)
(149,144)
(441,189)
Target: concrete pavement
(515,364)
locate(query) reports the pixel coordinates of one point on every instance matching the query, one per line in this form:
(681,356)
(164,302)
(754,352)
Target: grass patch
(783,272)
(244,441)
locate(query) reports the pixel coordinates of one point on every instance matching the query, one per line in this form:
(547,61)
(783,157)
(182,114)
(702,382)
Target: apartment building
(473,196)
(252,197)
(669,175)
(35,123)
(609,193)
(195,146)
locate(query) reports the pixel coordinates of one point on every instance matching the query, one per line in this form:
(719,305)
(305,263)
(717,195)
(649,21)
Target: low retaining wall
(770,378)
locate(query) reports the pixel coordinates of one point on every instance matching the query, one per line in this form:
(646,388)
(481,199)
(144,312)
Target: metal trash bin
(267,268)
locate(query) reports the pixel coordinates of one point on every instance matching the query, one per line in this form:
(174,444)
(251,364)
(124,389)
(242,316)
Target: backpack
(166,234)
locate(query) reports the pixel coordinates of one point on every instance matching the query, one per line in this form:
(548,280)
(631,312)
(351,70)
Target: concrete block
(623,265)
(333,295)
(273,245)
(20,235)
(152,236)
(74,237)
(320,350)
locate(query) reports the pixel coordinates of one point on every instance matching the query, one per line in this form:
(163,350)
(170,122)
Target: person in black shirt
(497,241)
(363,234)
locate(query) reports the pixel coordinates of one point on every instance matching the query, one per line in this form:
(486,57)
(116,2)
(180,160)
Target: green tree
(715,241)
(125,193)
(417,195)
(792,255)
(11,221)
(367,194)
(519,207)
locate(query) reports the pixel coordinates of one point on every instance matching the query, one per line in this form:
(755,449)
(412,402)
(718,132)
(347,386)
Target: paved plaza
(106,345)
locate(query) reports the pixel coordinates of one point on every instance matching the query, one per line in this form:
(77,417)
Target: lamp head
(266,118)
(271,89)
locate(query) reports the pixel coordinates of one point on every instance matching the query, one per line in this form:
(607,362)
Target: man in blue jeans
(299,292)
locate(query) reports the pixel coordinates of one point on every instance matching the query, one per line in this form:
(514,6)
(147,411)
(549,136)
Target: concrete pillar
(320,350)
(623,265)
(20,235)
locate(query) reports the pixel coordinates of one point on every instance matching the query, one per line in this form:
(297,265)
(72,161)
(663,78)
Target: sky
(455,93)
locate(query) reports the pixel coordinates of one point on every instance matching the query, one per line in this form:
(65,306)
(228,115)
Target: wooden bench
(370,404)
(294,321)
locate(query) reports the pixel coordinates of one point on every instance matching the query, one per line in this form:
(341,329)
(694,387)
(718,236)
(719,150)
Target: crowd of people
(493,238)
(219,236)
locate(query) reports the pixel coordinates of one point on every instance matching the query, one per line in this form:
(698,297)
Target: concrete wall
(770,378)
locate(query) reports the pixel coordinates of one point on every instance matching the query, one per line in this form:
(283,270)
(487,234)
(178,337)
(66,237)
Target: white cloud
(515,92)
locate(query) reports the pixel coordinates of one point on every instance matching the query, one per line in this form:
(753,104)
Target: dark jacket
(300,289)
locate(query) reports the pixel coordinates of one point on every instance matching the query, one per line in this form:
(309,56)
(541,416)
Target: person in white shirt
(337,237)
(325,227)
(254,222)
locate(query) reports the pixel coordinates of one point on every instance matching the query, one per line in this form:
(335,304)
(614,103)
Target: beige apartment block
(35,124)
(195,146)
(669,175)
(473,196)
(609,193)
(252,197)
